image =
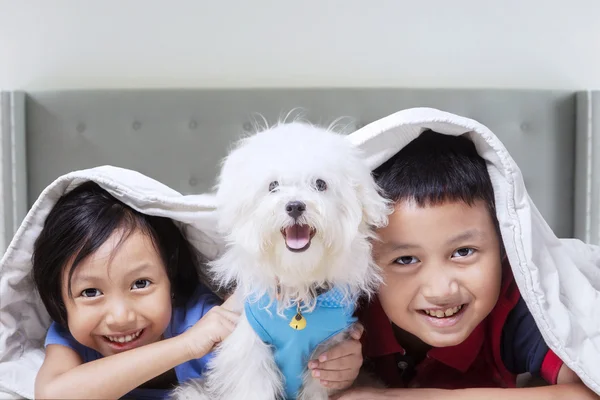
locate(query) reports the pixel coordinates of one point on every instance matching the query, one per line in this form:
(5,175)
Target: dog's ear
(375,207)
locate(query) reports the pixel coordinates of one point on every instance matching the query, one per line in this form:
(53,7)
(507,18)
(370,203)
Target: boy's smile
(444,318)
(442,269)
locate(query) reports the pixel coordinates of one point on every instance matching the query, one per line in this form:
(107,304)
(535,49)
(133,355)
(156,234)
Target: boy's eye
(464,252)
(406,260)
(90,293)
(140,284)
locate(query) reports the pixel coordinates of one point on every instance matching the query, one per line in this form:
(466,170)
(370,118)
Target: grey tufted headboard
(179,136)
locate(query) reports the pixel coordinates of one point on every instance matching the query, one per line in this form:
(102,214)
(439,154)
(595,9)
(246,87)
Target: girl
(130,315)
(124,295)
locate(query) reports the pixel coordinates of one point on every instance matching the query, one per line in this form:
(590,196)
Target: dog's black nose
(295,208)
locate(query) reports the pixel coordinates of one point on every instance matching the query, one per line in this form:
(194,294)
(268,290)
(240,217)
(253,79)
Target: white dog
(297,206)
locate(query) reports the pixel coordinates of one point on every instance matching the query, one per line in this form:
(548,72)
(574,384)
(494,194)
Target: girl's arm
(63,375)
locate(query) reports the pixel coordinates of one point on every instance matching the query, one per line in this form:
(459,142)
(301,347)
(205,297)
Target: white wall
(47,44)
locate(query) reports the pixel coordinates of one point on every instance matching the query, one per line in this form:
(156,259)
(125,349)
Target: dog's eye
(273,185)
(321,185)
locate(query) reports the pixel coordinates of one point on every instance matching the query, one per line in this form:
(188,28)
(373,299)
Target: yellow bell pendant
(298,322)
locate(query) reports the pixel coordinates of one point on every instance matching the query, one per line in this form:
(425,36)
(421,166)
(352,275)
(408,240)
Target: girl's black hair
(81,221)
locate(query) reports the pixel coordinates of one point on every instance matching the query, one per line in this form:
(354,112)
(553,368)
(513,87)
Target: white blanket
(559,279)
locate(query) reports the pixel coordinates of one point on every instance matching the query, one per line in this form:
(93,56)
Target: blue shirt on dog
(292,340)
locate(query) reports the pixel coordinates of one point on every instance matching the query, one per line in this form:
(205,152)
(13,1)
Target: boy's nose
(440,287)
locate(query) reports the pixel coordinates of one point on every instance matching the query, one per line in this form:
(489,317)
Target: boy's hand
(338,367)
(210,330)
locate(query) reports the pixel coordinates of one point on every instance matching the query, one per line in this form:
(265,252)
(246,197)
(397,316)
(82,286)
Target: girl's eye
(464,252)
(140,284)
(406,260)
(90,293)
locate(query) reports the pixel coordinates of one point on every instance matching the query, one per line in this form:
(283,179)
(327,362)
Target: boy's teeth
(443,313)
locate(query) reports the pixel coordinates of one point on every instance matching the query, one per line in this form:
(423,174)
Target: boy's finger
(336,385)
(352,362)
(332,376)
(357,331)
(335,375)
(346,348)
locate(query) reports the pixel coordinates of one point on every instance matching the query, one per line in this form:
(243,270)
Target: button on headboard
(179,136)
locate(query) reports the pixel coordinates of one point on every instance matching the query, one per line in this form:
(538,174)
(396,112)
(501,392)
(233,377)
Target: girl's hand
(210,330)
(338,367)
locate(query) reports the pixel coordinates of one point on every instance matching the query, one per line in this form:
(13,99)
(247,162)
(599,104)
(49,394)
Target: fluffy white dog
(297,206)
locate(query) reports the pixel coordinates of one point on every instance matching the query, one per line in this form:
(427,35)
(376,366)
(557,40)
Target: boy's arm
(565,391)
(568,386)
(524,349)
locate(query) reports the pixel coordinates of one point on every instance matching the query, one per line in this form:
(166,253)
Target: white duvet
(559,279)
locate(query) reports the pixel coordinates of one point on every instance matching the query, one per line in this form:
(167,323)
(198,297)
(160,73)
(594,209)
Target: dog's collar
(320,290)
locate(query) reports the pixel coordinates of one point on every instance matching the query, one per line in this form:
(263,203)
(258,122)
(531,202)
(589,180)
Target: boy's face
(442,269)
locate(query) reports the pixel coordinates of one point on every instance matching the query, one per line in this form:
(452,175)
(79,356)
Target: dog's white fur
(256,260)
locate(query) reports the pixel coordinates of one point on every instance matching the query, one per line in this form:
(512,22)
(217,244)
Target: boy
(450,315)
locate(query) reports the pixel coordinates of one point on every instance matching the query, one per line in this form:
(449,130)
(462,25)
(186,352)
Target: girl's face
(121,295)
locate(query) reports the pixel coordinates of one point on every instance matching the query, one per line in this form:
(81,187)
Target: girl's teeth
(124,339)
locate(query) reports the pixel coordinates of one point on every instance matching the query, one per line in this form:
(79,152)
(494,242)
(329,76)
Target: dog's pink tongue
(297,236)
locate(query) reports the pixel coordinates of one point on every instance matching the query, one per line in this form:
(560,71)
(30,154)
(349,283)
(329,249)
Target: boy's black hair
(435,168)
(81,221)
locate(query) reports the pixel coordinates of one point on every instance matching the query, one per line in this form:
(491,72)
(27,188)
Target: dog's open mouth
(297,237)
